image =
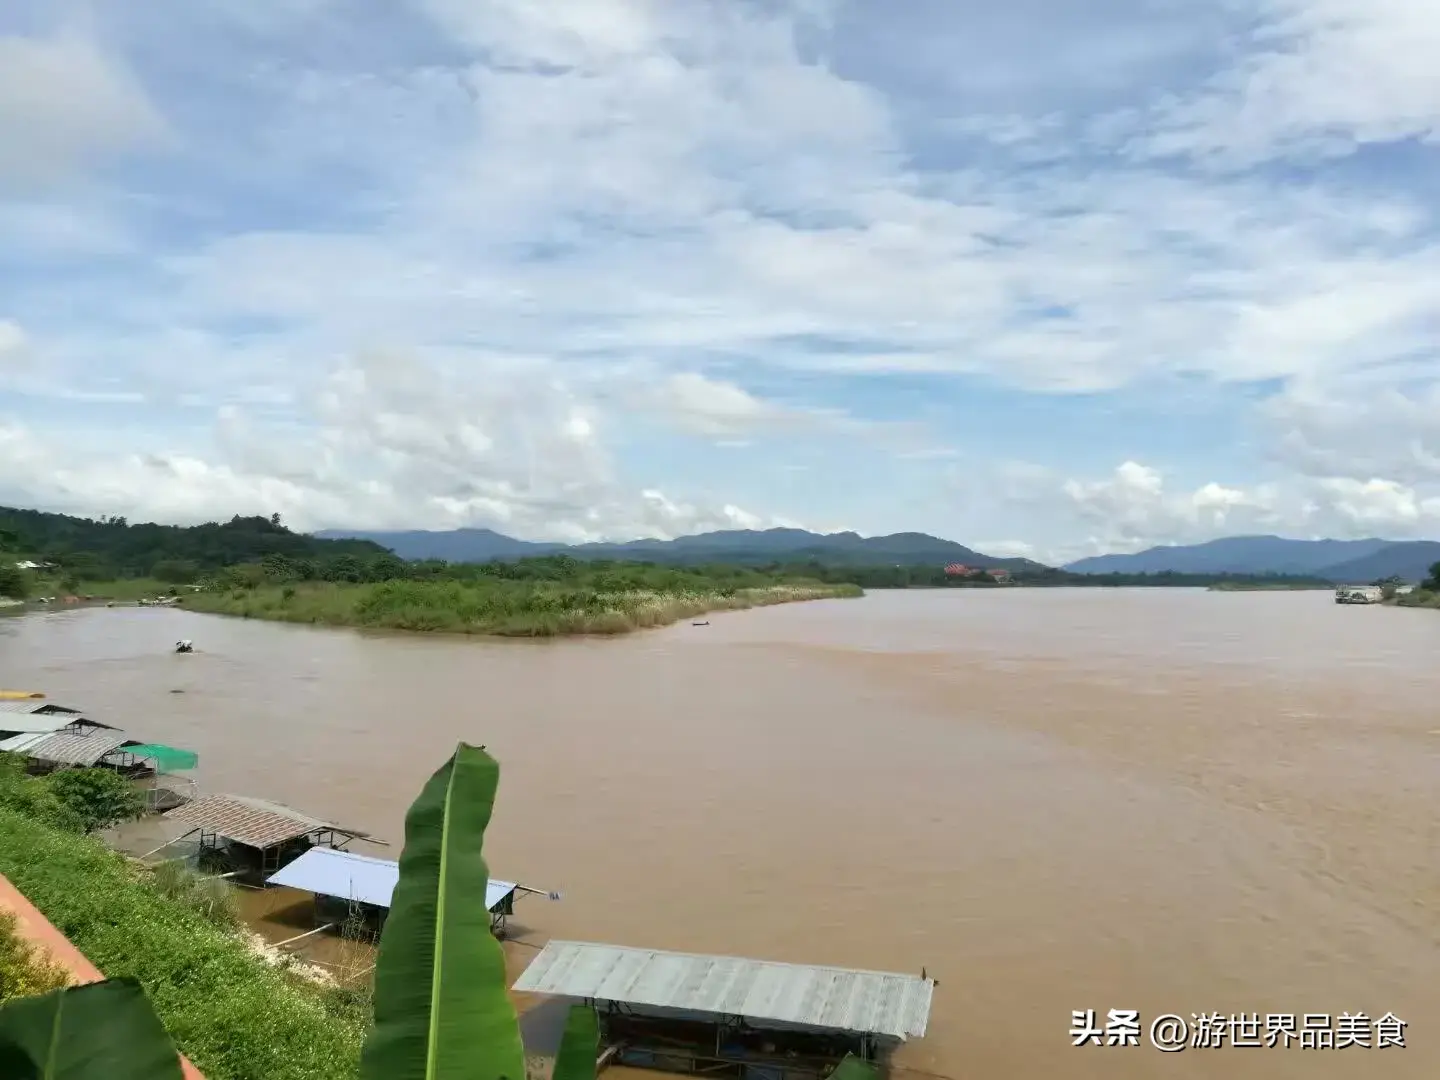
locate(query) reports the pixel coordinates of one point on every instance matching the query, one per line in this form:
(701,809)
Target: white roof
(362,878)
(43,723)
(837,999)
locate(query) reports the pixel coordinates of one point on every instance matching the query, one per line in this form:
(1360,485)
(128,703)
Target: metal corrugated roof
(18,744)
(74,748)
(22,707)
(26,706)
(362,878)
(256,823)
(837,999)
(37,722)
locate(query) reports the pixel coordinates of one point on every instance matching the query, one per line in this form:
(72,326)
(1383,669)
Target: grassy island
(534,598)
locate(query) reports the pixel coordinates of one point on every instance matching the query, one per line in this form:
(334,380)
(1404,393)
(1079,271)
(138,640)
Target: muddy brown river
(1171,801)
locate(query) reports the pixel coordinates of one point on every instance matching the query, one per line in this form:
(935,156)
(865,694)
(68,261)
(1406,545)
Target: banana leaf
(101,1031)
(579,1045)
(441,1008)
(854,1068)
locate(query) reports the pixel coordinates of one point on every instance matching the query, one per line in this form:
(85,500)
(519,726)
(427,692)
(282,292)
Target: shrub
(33,798)
(101,797)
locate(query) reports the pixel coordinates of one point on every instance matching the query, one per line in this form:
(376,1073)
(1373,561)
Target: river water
(1162,800)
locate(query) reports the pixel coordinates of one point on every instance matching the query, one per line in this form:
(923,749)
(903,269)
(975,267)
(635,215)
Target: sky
(1047,278)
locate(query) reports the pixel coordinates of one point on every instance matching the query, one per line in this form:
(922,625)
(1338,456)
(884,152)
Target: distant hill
(1333,560)
(114,547)
(1409,560)
(742,546)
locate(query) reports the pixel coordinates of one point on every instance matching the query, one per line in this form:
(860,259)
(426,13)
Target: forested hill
(114,548)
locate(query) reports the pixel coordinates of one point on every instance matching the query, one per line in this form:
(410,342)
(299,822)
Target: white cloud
(387,442)
(1381,505)
(1133,508)
(1359,430)
(64,103)
(1326,75)
(576,219)
(713,407)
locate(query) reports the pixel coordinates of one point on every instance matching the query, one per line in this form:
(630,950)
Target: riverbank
(230,1010)
(1270,586)
(1422,598)
(496,607)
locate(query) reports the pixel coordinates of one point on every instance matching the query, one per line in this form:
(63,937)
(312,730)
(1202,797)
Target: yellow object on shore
(19,695)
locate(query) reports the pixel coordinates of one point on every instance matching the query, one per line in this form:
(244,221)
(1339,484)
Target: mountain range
(1340,561)
(745,546)
(1331,560)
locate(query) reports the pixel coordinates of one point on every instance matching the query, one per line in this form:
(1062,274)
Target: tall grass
(23,970)
(212,898)
(1419,598)
(510,608)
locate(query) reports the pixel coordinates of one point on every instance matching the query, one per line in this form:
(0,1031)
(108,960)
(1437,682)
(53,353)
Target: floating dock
(720,1015)
(267,834)
(370,882)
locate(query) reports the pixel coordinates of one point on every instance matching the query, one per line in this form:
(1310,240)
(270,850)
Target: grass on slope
(521,609)
(234,1015)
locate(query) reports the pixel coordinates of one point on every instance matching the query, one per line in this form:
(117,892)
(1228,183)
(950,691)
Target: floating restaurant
(720,1015)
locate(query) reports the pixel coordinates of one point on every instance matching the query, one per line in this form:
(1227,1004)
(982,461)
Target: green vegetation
(1427,595)
(540,597)
(23,971)
(935,577)
(441,1007)
(103,1031)
(83,551)
(441,1010)
(1300,585)
(211,897)
(99,797)
(232,1013)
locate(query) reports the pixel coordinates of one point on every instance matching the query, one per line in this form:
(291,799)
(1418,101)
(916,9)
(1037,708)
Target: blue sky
(1043,277)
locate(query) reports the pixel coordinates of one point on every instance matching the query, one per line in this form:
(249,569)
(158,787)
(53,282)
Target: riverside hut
(725,1016)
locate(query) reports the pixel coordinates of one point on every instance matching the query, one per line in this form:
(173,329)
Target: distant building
(956,569)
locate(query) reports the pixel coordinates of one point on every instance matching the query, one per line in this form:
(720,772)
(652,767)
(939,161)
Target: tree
(279,568)
(346,568)
(14,582)
(385,568)
(175,571)
(1433,581)
(99,796)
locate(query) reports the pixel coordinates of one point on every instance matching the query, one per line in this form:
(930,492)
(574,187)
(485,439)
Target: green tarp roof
(166,758)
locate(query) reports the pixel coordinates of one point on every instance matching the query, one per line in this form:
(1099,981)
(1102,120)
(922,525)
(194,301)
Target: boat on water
(1359,594)
(20,695)
(184,646)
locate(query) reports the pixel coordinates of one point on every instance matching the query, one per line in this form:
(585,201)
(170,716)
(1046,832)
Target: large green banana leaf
(102,1031)
(854,1068)
(441,1010)
(579,1046)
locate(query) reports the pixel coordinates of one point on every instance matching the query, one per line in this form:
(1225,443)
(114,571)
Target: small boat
(705,623)
(184,646)
(20,695)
